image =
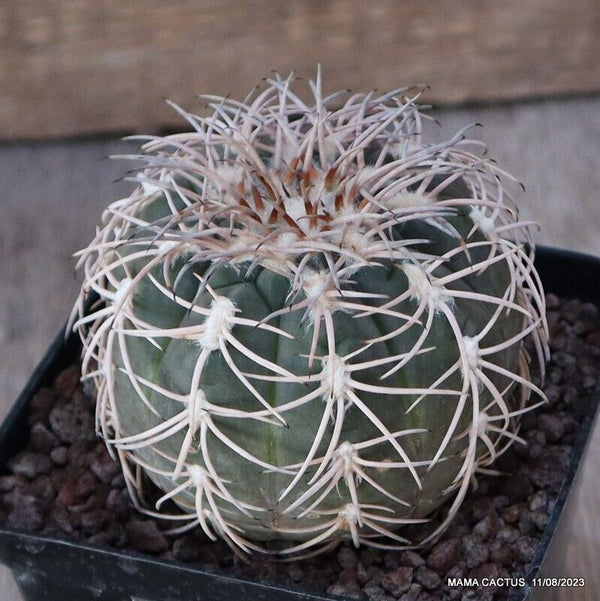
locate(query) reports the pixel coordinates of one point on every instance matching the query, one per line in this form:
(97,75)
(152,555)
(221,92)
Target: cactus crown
(310,322)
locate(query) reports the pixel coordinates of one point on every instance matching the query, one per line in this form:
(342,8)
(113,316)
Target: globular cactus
(308,322)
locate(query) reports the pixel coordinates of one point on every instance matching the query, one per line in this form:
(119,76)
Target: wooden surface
(77,67)
(52,195)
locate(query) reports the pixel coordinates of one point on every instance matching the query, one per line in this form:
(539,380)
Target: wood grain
(76,67)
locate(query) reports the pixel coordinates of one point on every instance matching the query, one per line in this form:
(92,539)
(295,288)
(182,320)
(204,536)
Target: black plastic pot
(54,569)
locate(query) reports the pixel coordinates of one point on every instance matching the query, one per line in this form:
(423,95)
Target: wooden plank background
(76,67)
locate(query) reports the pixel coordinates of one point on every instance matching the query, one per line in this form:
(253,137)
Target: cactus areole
(309,322)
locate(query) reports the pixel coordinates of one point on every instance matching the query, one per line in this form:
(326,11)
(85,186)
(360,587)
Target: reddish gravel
(65,484)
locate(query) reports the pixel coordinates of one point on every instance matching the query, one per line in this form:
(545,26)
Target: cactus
(307,324)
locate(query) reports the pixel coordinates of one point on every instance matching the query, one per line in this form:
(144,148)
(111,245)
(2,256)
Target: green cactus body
(310,326)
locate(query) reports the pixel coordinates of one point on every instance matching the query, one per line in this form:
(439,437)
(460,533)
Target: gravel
(398,581)
(65,484)
(445,555)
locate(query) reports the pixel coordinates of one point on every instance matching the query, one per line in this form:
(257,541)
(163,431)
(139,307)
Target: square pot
(49,568)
